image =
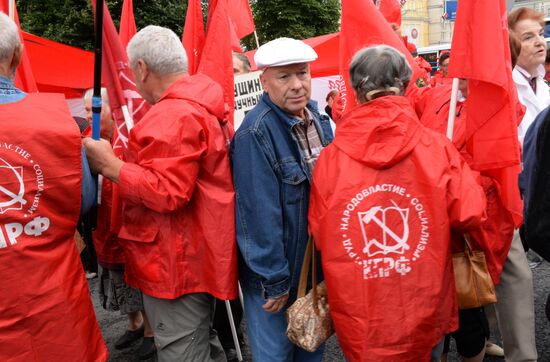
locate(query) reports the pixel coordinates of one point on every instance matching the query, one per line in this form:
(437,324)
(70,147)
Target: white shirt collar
(539,72)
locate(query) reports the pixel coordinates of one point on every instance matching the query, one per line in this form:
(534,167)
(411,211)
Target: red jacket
(178,199)
(438,79)
(108,246)
(385,196)
(46,313)
(494,236)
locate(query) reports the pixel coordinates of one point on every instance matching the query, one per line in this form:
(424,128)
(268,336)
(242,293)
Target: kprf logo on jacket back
(21,187)
(384,229)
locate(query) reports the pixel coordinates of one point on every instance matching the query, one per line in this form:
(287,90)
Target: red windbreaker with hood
(178,199)
(494,236)
(385,196)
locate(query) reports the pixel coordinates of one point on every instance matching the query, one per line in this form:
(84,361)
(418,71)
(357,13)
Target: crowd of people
(202,212)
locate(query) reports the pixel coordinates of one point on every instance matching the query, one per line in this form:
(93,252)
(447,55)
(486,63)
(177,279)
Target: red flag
(481,54)
(362,26)
(217,59)
(241,18)
(193,35)
(24,78)
(127,27)
(125,101)
(211,6)
(235,42)
(391,9)
(236,33)
(119,81)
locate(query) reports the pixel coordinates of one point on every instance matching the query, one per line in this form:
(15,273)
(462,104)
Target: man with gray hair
(177,198)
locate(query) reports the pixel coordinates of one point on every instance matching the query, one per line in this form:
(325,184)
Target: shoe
(91,275)
(147,348)
(128,338)
(492,349)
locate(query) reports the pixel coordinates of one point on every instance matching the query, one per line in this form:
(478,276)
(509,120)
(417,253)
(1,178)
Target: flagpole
(452,109)
(98,47)
(96,97)
(233,331)
(11,9)
(257,41)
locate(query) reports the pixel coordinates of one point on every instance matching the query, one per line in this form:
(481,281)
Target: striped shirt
(308,139)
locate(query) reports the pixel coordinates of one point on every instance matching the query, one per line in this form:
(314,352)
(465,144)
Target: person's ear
(143,70)
(264,83)
(17,55)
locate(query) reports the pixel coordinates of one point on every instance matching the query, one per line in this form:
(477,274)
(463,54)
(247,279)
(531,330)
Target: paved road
(113,325)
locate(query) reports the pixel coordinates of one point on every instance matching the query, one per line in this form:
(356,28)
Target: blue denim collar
(5,82)
(9,92)
(289,120)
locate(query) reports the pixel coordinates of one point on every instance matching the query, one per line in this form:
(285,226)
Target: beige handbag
(309,322)
(474,286)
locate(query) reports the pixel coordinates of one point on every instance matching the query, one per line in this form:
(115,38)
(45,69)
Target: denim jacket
(272,184)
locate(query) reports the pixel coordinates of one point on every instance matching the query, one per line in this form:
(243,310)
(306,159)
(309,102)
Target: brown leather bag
(474,286)
(309,322)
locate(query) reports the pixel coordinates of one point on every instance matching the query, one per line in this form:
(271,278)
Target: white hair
(104,95)
(9,37)
(160,48)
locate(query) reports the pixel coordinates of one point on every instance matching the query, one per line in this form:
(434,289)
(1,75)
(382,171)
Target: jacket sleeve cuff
(276,290)
(128,182)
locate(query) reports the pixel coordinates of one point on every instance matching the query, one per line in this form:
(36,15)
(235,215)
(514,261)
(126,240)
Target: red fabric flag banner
(193,35)
(127,27)
(217,59)
(241,18)
(24,78)
(391,9)
(125,102)
(481,54)
(362,26)
(127,105)
(211,7)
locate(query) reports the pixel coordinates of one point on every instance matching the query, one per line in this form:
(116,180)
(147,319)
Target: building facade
(431,22)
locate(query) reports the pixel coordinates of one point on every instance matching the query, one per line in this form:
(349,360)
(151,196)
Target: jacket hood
(379,133)
(200,89)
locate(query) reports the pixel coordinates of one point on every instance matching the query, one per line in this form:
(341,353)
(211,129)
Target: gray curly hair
(378,71)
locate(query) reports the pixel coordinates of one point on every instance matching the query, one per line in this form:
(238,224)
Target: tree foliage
(71,21)
(298,19)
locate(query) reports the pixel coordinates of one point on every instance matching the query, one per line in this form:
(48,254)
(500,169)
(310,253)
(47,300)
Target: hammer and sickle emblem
(399,242)
(13,198)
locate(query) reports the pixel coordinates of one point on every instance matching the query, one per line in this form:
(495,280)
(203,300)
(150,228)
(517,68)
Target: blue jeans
(266,333)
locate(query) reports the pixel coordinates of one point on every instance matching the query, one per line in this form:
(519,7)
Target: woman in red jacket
(385,197)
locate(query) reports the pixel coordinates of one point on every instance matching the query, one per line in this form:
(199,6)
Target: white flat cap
(283,51)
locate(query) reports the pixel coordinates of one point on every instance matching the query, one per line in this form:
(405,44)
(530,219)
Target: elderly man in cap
(178,200)
(273,154)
